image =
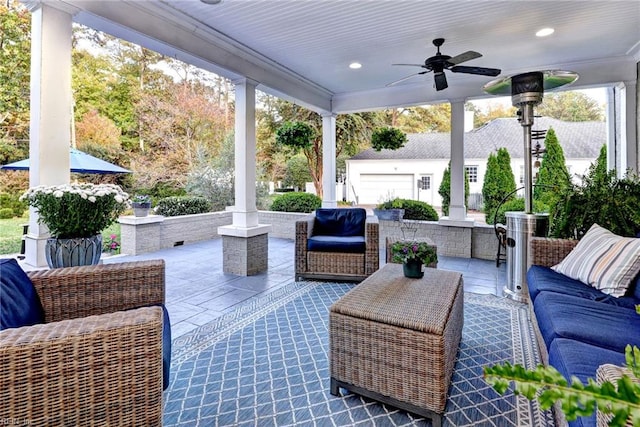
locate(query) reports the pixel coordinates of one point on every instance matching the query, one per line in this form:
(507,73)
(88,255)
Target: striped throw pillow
(604,260)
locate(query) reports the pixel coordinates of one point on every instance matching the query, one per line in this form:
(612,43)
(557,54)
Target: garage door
(377,188)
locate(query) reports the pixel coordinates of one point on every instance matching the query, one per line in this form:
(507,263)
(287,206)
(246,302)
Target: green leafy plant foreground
(548,386)
(413,209)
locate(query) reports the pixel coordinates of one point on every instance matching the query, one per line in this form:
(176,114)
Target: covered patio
(302,51)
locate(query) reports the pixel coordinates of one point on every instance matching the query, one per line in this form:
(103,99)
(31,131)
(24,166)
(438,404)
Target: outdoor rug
(266,364)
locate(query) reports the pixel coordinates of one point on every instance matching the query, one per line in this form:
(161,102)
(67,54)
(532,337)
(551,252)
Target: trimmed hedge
(188,205)
(296,202)
(413,209)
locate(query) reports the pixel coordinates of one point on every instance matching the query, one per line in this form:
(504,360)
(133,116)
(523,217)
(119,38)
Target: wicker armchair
(91,362)
(336,265)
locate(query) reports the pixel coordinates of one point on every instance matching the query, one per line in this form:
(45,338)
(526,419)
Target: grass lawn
(11,234)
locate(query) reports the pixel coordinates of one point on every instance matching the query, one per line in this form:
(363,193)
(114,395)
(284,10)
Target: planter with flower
(413,254)
(75,214)
(141,203)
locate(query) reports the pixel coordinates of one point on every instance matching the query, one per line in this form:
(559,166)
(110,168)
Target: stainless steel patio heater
(526,92)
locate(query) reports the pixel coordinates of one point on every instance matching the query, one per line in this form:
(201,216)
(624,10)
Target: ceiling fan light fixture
(211,1)
(544,32)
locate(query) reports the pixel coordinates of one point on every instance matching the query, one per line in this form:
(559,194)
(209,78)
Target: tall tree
(430,118)
(499,183)
(353,132)
(445,190)
(553,176)
(570,106)
(15,62)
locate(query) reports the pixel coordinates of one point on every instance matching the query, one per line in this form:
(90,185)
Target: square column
(51,109)
(329,161)
(245,249)
(457,209)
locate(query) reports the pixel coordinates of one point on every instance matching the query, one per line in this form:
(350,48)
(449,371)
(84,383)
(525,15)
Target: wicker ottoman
(395,339)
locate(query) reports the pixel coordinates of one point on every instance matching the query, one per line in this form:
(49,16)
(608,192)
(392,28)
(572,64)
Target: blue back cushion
(19,302)
(340,222)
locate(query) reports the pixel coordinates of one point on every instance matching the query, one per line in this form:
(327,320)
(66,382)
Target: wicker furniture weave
(395,339)
(91,363)
(336,265)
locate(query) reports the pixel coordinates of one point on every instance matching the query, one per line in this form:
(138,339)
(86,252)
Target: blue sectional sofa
(578,327)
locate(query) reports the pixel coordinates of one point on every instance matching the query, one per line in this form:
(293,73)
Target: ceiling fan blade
(405,78)
(440,80)
(476,70)
(464,57)
(411,65)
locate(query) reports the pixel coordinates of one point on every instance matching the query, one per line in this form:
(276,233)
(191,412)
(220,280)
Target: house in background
(415,171)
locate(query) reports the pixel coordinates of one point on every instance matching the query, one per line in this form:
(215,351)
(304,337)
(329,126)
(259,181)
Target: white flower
(58,193)
(92,199)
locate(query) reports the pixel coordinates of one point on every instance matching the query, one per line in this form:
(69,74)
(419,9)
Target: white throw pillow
(604,260)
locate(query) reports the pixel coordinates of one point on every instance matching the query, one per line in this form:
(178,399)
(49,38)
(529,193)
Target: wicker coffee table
(395,339)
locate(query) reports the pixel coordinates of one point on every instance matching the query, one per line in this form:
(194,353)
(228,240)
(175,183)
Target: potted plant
(75,214)
(389,210)
(141,203)
(413,254)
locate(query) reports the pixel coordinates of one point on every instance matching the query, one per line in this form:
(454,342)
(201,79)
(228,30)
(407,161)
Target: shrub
(13,202)
(413,209)
(6,213)
(296,202)
(175,206)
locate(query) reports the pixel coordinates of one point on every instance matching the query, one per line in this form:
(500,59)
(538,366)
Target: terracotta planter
(73,252)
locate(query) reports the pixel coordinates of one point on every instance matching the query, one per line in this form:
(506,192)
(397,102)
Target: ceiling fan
(439,62)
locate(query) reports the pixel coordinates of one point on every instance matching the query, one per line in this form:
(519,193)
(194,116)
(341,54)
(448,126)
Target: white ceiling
(301,49)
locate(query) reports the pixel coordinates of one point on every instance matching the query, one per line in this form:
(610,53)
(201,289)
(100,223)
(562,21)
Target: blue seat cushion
(19,302)
(166,347)
(544,279)
(575,358)
(340,222)
(603,325)
(351,244)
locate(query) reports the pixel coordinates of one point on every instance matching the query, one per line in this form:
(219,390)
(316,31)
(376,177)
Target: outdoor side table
(395,339)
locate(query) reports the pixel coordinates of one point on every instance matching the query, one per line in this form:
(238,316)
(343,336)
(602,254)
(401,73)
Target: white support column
(245,213)
(610,120)
(51,101)
(329,161)
(245,246)
(628,126)
(457,208)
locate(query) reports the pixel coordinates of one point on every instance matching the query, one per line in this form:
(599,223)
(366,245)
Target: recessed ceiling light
(545,32)
(355,65)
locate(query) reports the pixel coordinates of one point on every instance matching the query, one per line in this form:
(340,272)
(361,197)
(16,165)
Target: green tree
(353,133)
(553,176)
(297,174)
(499,183)
(430,118)
(445,190)
(570,106)
(15,61)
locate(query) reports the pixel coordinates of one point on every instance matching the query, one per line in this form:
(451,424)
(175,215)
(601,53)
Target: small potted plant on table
(412,255)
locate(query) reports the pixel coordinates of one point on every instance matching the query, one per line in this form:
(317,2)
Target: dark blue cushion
(574,358)
(19,302)
(544,279)
(166,347)
(604,325)
(351,244)
(340,222)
